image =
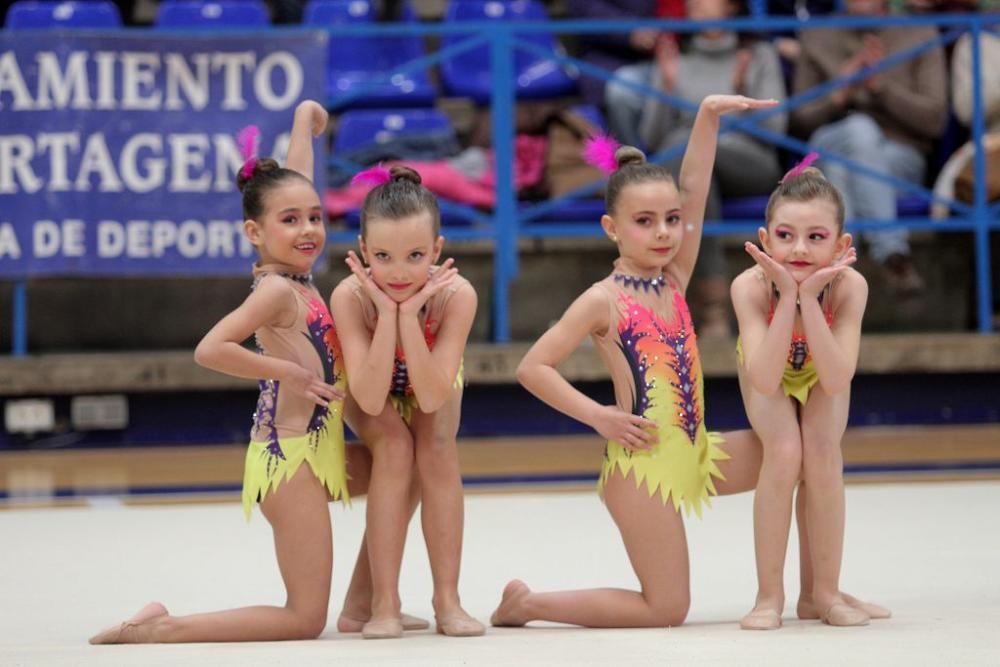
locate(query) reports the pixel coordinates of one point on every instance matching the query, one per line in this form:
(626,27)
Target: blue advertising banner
(118,149)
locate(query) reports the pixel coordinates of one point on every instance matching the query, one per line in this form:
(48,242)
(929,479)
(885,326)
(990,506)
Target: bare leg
(742,469)
(374,590)
(357,609)
(442,512)
(824,419)
(299,515)
(654,538)
(775,421)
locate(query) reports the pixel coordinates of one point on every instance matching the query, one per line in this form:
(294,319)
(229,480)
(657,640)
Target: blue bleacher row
(353,61)
(403,104)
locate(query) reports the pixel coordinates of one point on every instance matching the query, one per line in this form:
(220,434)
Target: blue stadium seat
(468,75)
(29,15)
(359,128)
(361,132)
(593,115)
(223,15)
(356,61)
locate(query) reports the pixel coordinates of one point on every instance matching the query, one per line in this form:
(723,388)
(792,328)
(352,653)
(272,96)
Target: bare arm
(271,303)
(433,372)
(765,346)
(368,357)
(309,121)
(834,349)
(696,174)
(538,373)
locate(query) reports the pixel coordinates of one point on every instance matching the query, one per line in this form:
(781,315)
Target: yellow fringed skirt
(677,469)
(796,384)
(268,466)
(405,404)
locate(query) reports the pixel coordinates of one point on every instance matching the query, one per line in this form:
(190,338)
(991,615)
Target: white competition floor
(929,551)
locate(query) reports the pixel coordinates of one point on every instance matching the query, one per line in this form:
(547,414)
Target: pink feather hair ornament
(599,151)
(801,166)
(247,140)
(372,177)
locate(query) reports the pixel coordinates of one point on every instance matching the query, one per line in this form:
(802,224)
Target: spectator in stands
(803,10)
(957,180)
(613,50)
(709,61)
(887,122)
(932,6)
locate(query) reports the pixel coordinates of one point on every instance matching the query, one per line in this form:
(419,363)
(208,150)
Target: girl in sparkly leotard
(799,311)
(295,463)
(659,456)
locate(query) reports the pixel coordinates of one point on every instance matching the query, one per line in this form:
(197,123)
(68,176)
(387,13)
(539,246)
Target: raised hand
(776,273)
(871,55)
(721,104)
(304,383)
(743,59)
(315,114)
(643,40)
(667,61)
(383,302)
(814,284)
(630,431)
(439,280)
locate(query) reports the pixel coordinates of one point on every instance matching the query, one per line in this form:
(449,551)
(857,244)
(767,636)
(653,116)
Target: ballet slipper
(383,628)
(125,632)
(414,622)
(806,610)
(506,614)
(761,619)
(347,624)
(841,614)
(459,625)
(874,611)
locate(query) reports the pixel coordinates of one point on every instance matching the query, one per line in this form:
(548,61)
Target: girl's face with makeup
(291,229)
(646,224)
(804,236)
(400,253)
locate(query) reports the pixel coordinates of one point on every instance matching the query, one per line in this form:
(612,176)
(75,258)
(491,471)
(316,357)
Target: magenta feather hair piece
(372,177)
(247,140)
(801,166)
(599,151)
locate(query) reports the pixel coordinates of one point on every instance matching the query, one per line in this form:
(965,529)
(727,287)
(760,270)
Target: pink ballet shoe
(126,632)
(761,619)
(414,622)
(874,611)
(347,624)
(844,615)
(459,625)
(383,628)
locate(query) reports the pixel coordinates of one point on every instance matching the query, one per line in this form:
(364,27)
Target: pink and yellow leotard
(401,391)
(799,376)
(289,430)
(651,353)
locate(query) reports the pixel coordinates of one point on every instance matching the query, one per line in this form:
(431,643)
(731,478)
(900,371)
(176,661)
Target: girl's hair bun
(262,167)
(627,155)
(403,173)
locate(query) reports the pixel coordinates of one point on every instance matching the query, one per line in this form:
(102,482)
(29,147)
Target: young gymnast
(404,323)
(659,455)
(295,463)
(799,312)
(381,433)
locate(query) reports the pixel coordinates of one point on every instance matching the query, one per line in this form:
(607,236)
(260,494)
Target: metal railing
(508,223)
